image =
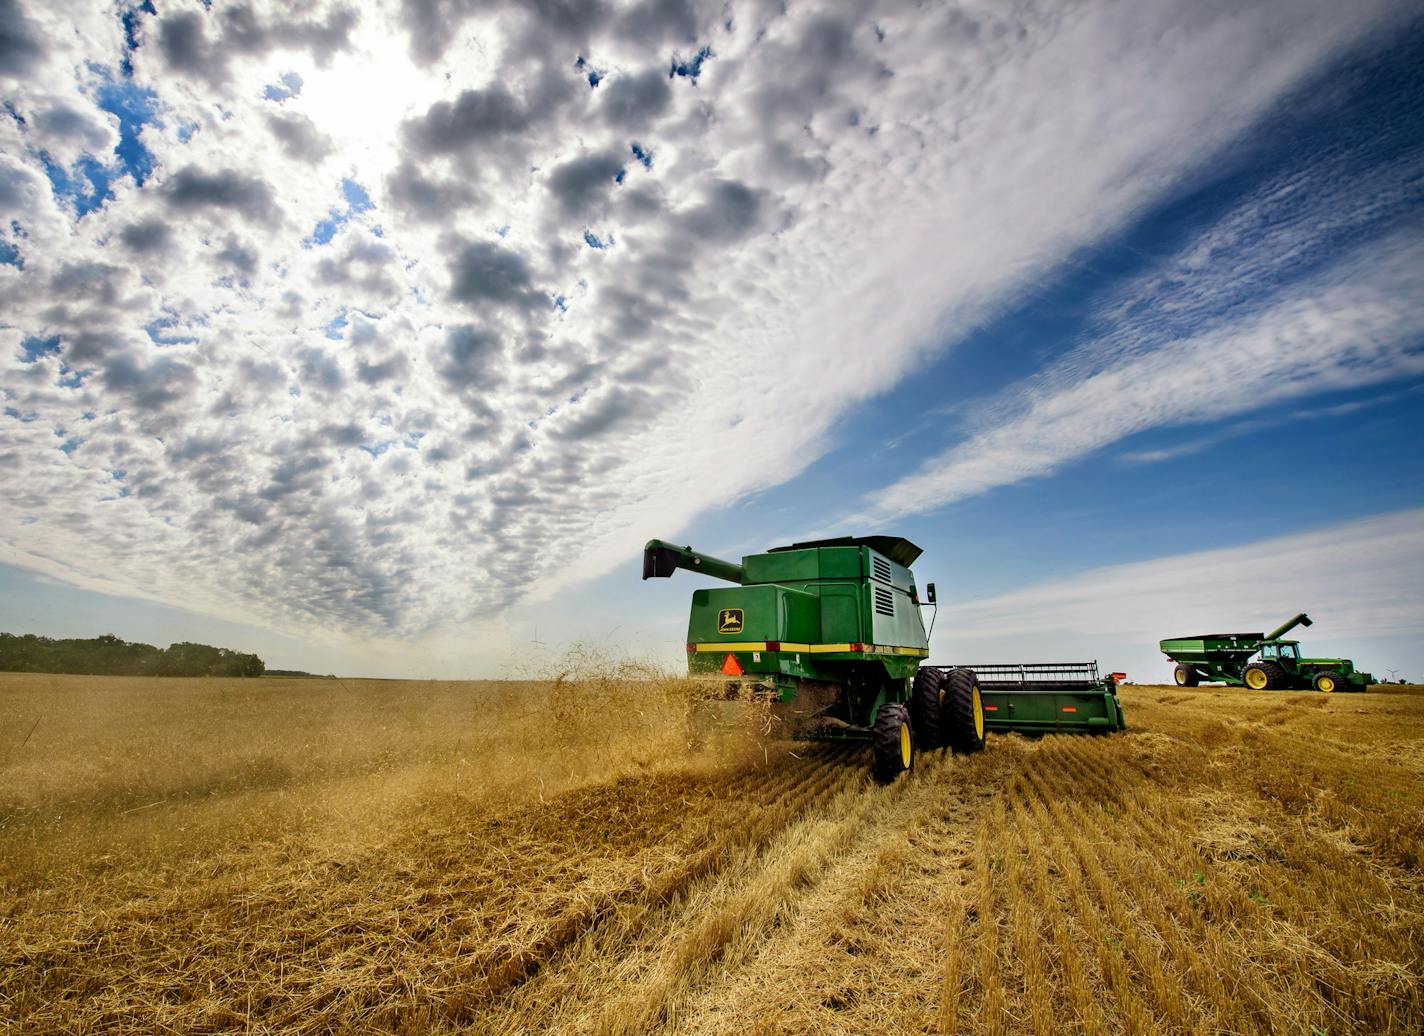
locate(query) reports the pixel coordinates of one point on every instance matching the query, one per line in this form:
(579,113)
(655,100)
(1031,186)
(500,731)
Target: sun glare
(360,99)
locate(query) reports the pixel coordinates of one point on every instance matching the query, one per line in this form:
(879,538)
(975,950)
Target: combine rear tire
(1185,676)
(927,709)
(1327,682)
(964,711)
(893,742)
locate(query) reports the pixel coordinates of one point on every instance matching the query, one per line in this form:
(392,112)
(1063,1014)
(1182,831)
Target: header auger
(1259,661)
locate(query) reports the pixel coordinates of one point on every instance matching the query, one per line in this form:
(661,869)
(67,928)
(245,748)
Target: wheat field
(552,856)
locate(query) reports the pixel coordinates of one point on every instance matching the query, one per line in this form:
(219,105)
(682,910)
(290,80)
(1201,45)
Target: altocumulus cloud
(343,358)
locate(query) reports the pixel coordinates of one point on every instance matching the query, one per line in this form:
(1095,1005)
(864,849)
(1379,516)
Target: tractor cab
(1286,652)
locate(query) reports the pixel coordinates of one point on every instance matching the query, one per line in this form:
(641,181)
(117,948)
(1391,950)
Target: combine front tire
(927,709)
(1327,682)
(893,742)
(1185,676)
(964,711)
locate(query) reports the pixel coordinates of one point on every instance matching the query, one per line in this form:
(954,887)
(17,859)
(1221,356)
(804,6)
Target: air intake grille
(880,568)
(884,601)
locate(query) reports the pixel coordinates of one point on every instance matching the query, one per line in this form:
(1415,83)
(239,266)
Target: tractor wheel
(1327,682)
(1279,675)
(965,713)
(1256,676)
(927,709)
(893,742)
(1185,676)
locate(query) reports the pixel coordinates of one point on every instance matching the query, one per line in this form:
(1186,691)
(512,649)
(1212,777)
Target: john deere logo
(729,620)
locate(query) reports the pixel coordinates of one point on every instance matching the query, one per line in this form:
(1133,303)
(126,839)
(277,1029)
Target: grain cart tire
(964,712)
(1327,682)
(1185,676)
(927,709)
(893,742)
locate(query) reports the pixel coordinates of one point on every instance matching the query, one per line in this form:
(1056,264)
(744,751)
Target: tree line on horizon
(109,656)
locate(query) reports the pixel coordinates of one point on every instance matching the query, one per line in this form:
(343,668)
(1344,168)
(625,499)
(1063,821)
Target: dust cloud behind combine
(312,855)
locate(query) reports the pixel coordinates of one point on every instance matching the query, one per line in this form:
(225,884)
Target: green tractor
(830,633)
(1261,662)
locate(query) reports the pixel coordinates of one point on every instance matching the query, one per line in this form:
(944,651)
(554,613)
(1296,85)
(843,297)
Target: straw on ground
(550,856)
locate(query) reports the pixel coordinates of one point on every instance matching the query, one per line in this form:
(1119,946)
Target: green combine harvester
(830,632)
(1263,662)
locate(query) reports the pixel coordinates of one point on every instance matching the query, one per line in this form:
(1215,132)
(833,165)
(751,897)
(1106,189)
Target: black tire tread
(885,742)
(1186,676)
(926,712)
(1276,676)
(1341,684)
(959,697)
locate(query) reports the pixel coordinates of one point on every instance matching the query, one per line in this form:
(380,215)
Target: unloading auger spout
(1299,619)
(662,559)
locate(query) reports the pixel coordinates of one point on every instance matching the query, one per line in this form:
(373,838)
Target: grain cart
(829,632)
(1261,662)
(1049,698)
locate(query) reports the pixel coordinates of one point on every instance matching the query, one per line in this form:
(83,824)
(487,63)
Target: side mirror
(930,593)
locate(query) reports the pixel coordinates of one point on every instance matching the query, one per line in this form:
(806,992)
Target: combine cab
(1260,661)
(1050,698)
(829,632)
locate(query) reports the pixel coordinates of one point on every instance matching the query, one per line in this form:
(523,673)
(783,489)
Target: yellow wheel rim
(1326,684)
(1181,678)
(905,745)
(1255,679)
(978,714)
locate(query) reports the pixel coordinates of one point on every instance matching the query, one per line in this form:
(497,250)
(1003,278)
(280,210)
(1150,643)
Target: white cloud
(1358,326)
(455,402)
(1314,284)
(1358,579)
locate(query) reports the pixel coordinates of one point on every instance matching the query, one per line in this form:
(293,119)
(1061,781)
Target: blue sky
(1120,318)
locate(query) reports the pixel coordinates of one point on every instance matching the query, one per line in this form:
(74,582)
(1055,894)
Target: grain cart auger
(1263,662)
(829,633)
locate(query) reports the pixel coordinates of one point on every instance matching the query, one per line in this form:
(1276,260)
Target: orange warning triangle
(730,666)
